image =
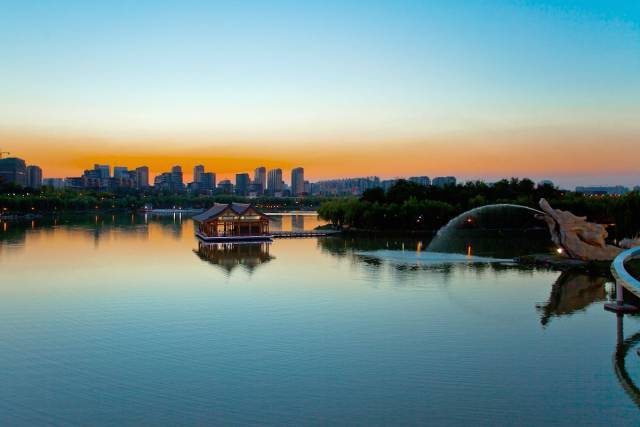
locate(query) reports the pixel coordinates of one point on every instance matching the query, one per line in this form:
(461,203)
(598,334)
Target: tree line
(408,206)
(14,199)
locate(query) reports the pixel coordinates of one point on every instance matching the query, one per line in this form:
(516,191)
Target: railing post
(623,278)
(619,294)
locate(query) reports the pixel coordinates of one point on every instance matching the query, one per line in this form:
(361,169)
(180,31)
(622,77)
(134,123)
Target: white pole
(619,295)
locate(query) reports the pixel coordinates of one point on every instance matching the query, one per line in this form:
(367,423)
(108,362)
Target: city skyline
(213,176)
(341,87)
(225,170)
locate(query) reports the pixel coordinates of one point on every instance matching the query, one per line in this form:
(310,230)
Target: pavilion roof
(218,208)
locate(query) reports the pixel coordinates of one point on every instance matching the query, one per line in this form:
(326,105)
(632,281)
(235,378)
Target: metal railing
(623,278)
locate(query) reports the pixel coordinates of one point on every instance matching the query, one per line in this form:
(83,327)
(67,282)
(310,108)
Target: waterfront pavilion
(232,220)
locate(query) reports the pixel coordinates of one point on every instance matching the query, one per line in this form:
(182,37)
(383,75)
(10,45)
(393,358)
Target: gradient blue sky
(446,81)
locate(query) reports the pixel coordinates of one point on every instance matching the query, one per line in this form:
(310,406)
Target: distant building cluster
(617,190)
(15,171)
(263,182)
(170,181)
(357,186)
(344,187)
(100,178)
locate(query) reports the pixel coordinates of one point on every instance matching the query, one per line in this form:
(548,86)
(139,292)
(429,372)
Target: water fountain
(475,211)
(501,228)
(575,238)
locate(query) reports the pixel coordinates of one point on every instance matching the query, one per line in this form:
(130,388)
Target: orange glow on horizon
(535,153)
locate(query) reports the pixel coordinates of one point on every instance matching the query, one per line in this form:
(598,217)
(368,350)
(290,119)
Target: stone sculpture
(578,238)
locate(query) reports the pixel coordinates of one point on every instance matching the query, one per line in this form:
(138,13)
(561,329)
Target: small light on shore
(560,251)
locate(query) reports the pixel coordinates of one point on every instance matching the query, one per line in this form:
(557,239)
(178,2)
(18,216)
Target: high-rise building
(275,185)
(242,184)
(163,182)
(169,181)
(207,182)
(386,184)
(345,187)
(74,182)
(56,183)
(104,170)
(131,179)
(93,178)
(197,173)
(444,181)
(297,181)
(34,176)
(260,179)
(13,171)
(120,172)
(255,190)
(225,187)
(176,178)
(422,180)
(142,177)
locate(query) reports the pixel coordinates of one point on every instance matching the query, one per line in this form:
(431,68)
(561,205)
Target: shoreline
(558,263)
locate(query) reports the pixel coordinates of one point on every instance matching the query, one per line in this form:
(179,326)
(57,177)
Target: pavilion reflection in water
(229,256)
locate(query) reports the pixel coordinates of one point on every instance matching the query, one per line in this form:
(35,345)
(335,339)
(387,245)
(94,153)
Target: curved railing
(622,276)
(625,279)
(620,367)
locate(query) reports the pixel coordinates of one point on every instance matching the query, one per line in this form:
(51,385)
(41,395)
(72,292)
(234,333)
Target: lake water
(127,320)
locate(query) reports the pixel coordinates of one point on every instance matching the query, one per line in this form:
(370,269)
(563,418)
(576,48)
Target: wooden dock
(300,234)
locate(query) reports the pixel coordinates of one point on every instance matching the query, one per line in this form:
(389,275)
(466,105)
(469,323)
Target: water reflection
(98,226)
(229,256)
(297,223)
(13,233)
(494,243)
(623,346)
(480,243)
(572,292)
(142,311)
(300,221)
(341,246)
(101,226)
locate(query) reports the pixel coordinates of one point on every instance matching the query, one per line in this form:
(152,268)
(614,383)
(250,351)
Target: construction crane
(3,152)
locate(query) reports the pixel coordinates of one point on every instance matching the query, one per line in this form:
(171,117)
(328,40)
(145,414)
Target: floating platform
(234,239)
(267,237)
(300,234)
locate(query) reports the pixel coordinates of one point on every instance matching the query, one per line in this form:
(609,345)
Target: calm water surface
(126,320)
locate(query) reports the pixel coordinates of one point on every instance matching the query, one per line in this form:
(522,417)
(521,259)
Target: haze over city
(547,90)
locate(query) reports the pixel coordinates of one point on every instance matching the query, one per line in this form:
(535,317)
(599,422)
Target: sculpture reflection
(229,256)
(572,292)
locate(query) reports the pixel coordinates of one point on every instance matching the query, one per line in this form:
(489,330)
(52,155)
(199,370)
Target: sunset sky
(476,89)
